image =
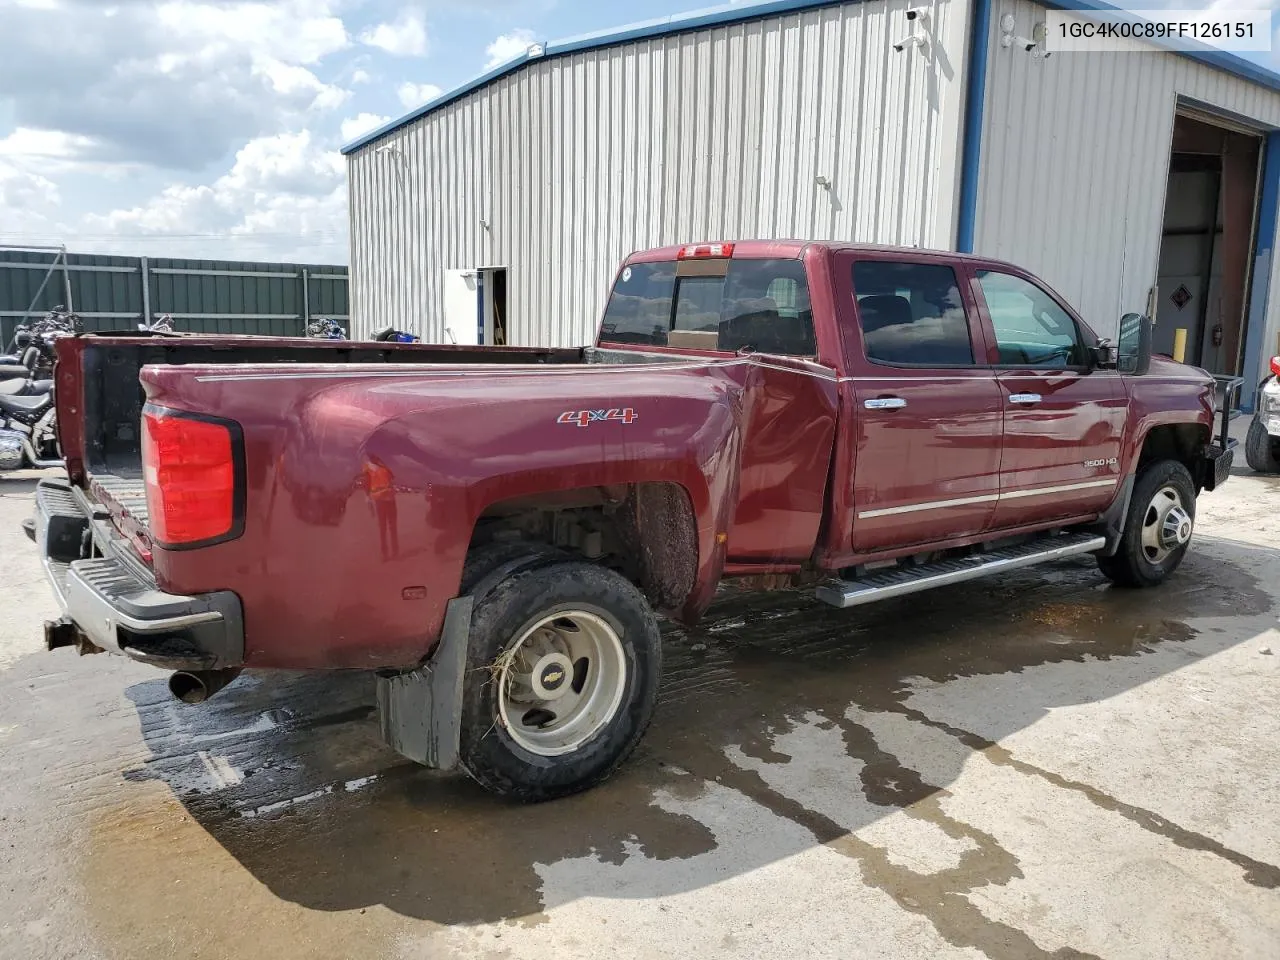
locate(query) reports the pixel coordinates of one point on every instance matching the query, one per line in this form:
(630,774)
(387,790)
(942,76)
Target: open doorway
(475,306)
(1207,242)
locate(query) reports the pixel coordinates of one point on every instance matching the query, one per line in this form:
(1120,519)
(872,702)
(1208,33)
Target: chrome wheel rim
(1166,525)
(561,682)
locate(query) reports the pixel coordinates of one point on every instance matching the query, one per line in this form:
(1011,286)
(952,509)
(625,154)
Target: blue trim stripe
(739,12)
(975,102)
(1263,256)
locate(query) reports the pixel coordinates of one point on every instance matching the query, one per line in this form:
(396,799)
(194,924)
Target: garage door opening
(1207,244)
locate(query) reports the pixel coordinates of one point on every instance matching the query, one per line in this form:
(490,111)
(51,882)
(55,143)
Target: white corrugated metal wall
(558,170)
(1075,157)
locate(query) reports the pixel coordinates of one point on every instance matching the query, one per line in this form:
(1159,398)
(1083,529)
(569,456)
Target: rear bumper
(110,600)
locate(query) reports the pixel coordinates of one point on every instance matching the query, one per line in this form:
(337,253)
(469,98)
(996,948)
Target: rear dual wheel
(562,676)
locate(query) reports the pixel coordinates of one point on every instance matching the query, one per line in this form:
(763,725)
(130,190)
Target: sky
(211,128)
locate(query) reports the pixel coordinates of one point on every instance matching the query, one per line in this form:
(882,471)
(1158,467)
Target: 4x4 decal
(584,418)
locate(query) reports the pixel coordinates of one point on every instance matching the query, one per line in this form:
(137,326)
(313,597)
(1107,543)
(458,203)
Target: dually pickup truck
(494,531)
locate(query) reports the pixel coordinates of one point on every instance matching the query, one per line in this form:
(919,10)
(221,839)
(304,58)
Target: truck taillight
(191,470)
(701,251)
(1275,366)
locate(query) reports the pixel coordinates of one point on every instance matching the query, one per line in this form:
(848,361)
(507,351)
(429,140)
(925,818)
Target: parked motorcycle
(161,324)
(323,328)
(28,420)
(392,335)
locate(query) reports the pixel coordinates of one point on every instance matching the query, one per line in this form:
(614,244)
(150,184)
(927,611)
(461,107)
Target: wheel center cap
(551,676)
(1176,529)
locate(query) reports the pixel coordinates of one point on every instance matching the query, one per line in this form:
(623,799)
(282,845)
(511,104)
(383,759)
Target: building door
(463,299)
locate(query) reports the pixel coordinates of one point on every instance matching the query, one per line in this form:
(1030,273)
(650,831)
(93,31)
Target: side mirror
(1133,355)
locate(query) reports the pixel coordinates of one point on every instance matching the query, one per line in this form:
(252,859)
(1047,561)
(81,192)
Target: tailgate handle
(885,403)
(1024,398)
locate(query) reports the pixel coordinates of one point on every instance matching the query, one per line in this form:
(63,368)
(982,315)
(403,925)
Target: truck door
(1063,420)
(927,416)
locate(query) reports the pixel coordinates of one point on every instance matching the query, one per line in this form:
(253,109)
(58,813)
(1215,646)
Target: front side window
(1031,329)
(759,306)
(911,314)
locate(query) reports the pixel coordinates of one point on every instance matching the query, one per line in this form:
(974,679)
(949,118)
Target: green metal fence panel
(202,296)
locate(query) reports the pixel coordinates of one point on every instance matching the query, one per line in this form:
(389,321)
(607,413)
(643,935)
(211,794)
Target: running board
(901,581)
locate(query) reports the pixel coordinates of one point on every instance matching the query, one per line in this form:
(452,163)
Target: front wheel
(1157,529)
(562,675)
(1261,450)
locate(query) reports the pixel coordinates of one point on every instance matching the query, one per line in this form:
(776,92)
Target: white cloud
(21,190)
(360,76)
(285,194)
(406,36)
(27,143)
(168,83)
(508,46)
(353,127)
(416,94)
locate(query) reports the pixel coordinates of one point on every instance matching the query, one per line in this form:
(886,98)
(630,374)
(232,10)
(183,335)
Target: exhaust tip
(189,687)
(197,686)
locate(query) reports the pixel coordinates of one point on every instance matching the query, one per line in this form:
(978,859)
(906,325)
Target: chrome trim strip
(986,498)
(1064,488)
(930,505)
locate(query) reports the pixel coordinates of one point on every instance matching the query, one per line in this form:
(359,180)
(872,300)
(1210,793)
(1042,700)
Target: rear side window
(911,314)
(750,305)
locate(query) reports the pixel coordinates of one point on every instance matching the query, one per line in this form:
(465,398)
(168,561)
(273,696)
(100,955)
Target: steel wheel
(1166,525)
(561,682)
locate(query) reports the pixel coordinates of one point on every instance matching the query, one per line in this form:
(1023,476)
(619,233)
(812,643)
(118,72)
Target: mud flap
(421,711)
(1111,524)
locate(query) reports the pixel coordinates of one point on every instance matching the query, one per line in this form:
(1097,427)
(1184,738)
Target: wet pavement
(1032,766)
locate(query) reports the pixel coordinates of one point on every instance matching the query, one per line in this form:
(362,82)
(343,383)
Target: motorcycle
(28,419)
(161,324)
(324,329)
(392,335)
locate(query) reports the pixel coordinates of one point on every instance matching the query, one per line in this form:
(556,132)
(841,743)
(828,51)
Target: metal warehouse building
(500,211)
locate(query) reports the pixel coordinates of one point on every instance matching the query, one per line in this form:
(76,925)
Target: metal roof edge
(737,13)
(663,26)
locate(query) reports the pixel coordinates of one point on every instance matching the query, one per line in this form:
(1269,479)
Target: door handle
(885,403)
(1024,398)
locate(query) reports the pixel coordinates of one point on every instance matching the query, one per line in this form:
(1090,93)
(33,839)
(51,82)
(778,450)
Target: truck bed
(100,434)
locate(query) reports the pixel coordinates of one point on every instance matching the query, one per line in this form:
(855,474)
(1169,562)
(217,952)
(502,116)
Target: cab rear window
(760,306)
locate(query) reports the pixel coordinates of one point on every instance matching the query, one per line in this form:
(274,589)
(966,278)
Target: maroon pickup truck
(493,531)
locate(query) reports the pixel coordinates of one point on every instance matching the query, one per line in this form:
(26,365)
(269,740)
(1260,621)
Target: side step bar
(903,580)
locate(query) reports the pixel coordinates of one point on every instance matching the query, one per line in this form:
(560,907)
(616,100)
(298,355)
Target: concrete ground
(1032,766)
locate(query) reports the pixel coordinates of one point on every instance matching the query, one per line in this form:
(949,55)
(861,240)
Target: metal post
(66,281)
(306,299)
(146,292)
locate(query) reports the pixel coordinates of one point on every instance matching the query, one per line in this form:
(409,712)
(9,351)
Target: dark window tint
(1031,329)
(758,305)
(911,314)
(766,308)
(639,309)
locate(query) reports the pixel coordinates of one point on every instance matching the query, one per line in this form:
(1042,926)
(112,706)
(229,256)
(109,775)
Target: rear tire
(1157,528)
(563,665)
(1261,450)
